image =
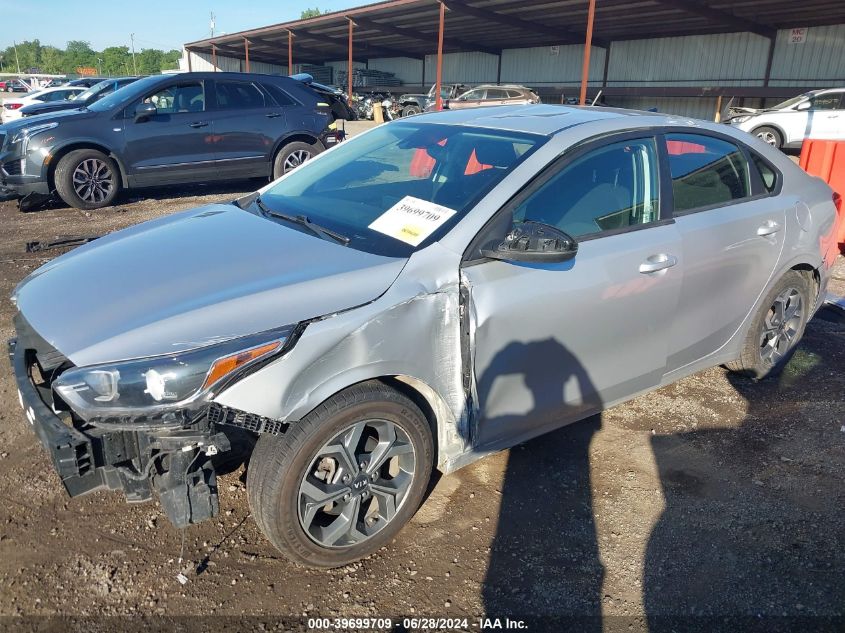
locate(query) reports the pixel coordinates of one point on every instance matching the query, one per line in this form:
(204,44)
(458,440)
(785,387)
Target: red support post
(290,53)
(349,65)
(214,57)
(439,98)
(246,53)
(585,71)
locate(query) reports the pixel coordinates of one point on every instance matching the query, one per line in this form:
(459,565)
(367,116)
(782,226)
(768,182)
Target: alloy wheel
(93,180)
(295,159)
(781,326)
(356,483)
(768,137)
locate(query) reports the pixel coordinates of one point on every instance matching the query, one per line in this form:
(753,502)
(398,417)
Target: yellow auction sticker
(412,220)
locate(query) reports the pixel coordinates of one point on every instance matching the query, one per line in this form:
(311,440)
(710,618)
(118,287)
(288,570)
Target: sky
(164,24)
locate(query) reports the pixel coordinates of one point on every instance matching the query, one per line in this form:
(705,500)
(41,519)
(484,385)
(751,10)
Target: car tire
(411,109)
(776,329)
(320,524)
(769,135)
(293,155)
(87,179)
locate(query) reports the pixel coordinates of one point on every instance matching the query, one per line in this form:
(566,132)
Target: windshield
(124,95)
(92,91)
(791,102)
(438,172)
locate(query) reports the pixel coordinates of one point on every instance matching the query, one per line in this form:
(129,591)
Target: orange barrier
(826,159)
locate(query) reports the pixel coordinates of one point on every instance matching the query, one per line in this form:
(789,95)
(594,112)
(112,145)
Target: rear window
(706,171)
(767,174)
(281,97)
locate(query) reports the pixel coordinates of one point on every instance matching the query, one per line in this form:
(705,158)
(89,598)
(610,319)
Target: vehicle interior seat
(459,189)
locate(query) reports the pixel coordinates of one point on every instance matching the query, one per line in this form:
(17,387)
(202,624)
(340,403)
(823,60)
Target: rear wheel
(777,328)
(292,156)
(87,179)
(769,135)
(341,483)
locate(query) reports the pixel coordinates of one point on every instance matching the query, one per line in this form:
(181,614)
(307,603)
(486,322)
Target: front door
(732,240)
(827,116)
(554,343)
(177,143)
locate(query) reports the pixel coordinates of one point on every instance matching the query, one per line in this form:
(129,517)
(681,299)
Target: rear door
(732,228)
(496,96)
(247,122)
(177,143)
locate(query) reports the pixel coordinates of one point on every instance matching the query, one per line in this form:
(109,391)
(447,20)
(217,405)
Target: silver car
(427,293)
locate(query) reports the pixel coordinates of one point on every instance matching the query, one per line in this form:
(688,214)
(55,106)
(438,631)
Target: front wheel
(292,156)
(411,109)
(342,482)
(769,135)
(776,329)
(87,179)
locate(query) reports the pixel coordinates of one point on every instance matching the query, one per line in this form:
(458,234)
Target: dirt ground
(713,497)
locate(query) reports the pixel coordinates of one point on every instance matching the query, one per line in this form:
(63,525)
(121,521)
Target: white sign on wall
(554,50)
(798,36)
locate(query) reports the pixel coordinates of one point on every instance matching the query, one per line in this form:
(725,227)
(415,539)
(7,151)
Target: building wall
(474,67)
(547,66)
(406,69)
(821,58)
(202,62)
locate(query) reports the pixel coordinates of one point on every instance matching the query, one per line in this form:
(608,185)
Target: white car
(12,106)
(816,114)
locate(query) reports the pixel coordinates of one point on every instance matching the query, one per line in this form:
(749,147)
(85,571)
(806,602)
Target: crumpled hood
(190,279)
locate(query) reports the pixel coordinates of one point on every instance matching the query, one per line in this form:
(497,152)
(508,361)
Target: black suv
(166,129)
(83,99)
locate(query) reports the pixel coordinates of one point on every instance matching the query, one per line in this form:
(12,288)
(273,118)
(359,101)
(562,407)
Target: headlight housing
(740,119)
(23,136)
(167,388)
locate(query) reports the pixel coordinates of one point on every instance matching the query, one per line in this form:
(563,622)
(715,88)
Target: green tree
(79,54)
(115,59)
(311,13)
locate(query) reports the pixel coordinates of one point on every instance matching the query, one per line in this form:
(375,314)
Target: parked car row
(12,107)
(164,129)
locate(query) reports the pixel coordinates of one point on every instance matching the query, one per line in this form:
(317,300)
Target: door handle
(658,262)
(273,115)
(768,228)
(197,124)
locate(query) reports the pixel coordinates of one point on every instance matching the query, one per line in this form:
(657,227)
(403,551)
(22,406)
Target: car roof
(545,119)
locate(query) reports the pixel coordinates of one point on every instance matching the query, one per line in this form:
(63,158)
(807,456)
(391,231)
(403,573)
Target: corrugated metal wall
(545,65)
(463,68)
(407,70)
(820,58)
(737,59)
(201,62)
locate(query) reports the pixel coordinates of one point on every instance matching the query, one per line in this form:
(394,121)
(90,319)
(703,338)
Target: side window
(472,95)
(183,97)
(238,95)
(613,187)
(828,101)
(705,171)
(497,93)
(767,174)
(279,96)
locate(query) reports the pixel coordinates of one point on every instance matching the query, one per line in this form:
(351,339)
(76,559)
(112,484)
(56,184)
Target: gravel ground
(716,496)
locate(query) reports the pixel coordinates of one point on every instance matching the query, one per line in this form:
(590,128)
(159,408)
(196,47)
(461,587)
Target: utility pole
(212,23)
(134,67)
(100,66)
(17,61)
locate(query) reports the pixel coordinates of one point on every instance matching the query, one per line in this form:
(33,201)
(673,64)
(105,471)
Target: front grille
(12,168)
(218,414)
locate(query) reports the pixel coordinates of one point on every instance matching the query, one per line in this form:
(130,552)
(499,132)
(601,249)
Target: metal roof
(408,28)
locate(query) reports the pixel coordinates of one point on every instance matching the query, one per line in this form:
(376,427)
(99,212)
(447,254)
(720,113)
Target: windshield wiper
(303,220)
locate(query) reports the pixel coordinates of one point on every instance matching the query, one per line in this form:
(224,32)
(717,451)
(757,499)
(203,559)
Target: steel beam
(413,34)
(721,17)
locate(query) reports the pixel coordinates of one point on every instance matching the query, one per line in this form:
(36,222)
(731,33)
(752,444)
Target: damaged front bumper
(173,462)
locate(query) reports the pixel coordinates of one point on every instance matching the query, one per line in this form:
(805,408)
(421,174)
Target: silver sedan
(434,290)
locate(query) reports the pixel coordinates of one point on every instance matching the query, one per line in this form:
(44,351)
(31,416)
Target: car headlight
(28,132)
(740,119)
(163,388)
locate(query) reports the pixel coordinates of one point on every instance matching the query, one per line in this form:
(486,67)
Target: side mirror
(804,105)
(533,242)
(144,111)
